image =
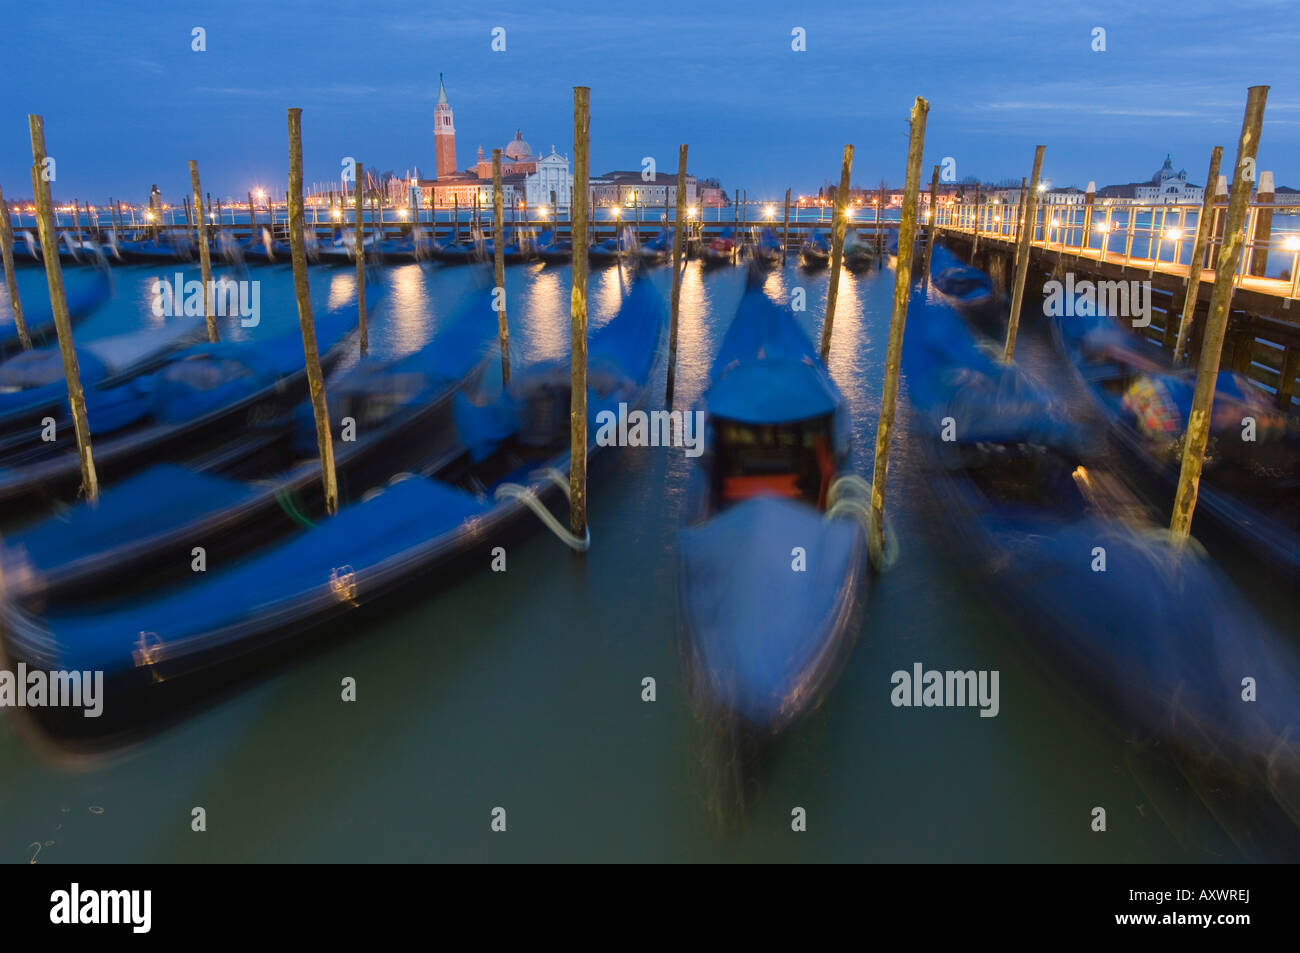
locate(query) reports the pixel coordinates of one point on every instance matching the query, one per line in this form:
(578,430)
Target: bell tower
(444,134)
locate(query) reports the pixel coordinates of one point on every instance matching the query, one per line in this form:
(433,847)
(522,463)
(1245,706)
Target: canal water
(523,689)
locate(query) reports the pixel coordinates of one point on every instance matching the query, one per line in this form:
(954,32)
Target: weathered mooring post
(932,228)
(1263,233)
(975,227)
(1203,226)
(838,226)
(1089,201)
(1029,210)
(897,322)
(59,308)
(306,322)
(785,237)
(578,315)
(155,213)
(358,239)
(205,259)
(499,267)
(679,224)
(7,250)
(1216,321)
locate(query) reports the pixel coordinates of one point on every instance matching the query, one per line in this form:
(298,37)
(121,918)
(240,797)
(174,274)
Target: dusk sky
(127,102)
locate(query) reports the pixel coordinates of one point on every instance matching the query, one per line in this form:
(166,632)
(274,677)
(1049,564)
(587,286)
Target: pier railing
(1158,237)
(1154,243)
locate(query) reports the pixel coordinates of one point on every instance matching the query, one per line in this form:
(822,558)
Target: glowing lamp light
(618,212)
(1173,234)
(1293,243)
(149,216)
(1042,186)
(541,210)
(401,212)
(1102,226)
(997,218)
(337,215)
(1056,223)
(768,211)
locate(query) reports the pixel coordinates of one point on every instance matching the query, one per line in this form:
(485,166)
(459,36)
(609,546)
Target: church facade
(525,177)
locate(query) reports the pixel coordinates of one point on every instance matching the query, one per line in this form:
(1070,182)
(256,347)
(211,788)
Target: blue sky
(127,102)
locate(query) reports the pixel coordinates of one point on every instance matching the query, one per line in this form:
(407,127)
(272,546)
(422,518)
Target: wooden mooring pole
(897,322)
(205,259)
(932,226)
(785,237)
(838,226)
(59,307)
(578,316)
(1029,210)
(1216,321)
(1193,289)
(679,224)
(306,322)
(499,267)
(7,249)
(358,238)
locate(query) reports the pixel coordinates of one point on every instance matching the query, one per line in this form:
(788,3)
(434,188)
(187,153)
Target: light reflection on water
(523,688)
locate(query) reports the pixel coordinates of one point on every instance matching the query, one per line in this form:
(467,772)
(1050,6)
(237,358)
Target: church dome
(518,148)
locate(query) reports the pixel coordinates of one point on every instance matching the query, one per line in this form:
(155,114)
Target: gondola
(859,256)
(82,301)
(514,253)
(164,653)
(1149,630)
(767,637)
(815,252)
(340,249)
(719,251)
(265,250)
(1249,493)
(33,386)
(168,250)
(458,252)
(200,398)
(553,250)
(767,250)
(657,250)
(606,252)
(387,417)
(962,286)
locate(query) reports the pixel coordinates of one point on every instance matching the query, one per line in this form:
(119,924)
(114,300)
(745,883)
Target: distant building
(551,175)
(524,176)
(1164,187)
(1066,196)
(624,188)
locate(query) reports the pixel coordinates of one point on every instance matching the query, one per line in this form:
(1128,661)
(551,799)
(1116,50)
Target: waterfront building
(524,176)
(626,188)
(1164,187)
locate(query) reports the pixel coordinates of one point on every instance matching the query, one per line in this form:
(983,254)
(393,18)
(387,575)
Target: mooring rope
(289,503)
(850,496)
(527,496)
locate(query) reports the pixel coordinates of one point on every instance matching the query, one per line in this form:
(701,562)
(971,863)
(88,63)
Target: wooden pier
(1263,338)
